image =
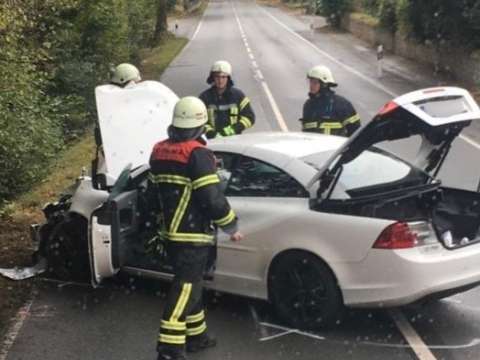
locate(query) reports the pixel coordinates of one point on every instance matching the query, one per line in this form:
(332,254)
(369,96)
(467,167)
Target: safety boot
(200,342)
(171,353)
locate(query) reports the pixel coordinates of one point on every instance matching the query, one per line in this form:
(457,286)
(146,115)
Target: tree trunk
(161,26)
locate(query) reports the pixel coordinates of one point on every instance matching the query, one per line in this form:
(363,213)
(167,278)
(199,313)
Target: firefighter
(229,110)
(326,112)
(125,75)
(183,171)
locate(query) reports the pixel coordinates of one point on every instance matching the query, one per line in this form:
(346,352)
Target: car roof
(288,144)
(285,150)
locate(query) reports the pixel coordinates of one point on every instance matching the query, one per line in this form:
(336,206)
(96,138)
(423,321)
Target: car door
(113,226)
(262,196)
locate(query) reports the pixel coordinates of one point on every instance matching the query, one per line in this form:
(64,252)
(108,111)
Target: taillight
(401,235)
(396,236)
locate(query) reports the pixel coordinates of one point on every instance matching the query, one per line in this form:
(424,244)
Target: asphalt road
(270,51)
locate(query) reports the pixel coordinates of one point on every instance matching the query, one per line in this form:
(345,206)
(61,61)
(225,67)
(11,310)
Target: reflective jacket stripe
(226,219)
(170,179)
(245,122)
(244,103)
(182,207)
(205,180)
(188,237)
(352,119)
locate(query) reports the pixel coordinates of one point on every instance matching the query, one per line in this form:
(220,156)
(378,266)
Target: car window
(251,177)
(376,168)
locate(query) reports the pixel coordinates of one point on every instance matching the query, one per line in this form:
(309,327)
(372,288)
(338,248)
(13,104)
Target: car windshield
(372,171)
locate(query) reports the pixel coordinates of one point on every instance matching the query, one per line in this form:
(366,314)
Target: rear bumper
(389,278)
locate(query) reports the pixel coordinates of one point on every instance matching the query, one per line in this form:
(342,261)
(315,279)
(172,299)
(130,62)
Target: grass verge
(15,244)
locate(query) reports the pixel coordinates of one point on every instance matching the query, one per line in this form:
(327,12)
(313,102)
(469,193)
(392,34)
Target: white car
(328,221)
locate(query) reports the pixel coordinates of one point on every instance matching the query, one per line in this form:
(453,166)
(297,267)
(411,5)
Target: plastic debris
(22,273)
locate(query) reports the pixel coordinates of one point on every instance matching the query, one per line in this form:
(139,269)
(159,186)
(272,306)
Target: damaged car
(329,222)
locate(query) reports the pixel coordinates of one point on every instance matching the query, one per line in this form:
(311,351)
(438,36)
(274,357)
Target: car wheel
(304,291)
(66,250)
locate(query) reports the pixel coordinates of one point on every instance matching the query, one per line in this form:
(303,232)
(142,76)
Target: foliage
(54,53)
(387,14)
(333,10)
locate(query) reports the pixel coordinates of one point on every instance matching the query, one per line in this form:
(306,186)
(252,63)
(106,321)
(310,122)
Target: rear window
(444,106)
(372,171)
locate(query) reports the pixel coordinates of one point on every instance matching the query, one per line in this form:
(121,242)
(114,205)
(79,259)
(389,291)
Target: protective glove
(227,131)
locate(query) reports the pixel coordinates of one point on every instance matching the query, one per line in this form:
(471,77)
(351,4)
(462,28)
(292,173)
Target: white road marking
(474,342)
(273,104)
(197,29)
(14,330)
(351,69)
(414,340)
(287,331)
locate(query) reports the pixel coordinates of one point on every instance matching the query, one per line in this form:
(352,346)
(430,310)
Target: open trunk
(454,213)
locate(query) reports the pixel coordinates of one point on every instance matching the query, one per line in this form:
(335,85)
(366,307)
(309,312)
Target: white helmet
(124,73)
(222,66)
(190,112)
(322,73)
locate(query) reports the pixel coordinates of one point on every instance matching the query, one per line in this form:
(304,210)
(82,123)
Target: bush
(387,15)
(333,10)
(371,6)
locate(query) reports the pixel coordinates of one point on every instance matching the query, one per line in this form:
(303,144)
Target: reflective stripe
(234,110)
(197,317)
(352,119)
(181,303)
(181,326)
(245,122)
(310,125)
(172,339)
(182,207)
(205,180)
(209,127)
(233,120)
(222,107)
(226,219)
(170,179)
(197,330)
(244,102)
(188,237)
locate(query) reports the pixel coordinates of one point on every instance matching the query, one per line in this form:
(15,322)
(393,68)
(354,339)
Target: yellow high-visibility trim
(234,110)
(205,180)
(244,102)
(226,219)
(331,125)
(352,119)
(181,303)
(245,122)
(211,115)
(182,207)
(188,237)
(310,125)
(181,326)
(196,318)
(172,339)
(170,179)
(233,120)
(197,330)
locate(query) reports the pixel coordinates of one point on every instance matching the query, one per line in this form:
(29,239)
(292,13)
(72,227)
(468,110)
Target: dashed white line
(273,104)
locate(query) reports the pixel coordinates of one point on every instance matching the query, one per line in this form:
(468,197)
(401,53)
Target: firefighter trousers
(183,316)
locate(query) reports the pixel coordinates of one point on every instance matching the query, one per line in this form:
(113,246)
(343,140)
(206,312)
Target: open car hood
(438,115)
(131,121)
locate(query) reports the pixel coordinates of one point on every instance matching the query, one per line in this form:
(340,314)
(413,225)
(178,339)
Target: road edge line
(15,328)
(421,350)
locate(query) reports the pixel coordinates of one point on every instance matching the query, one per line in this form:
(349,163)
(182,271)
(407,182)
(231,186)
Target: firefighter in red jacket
(183,171)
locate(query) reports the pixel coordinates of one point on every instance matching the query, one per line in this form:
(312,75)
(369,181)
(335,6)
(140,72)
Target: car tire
(304,291)
(66,250)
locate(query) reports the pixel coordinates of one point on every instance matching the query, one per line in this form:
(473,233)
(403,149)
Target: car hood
(131,121)
(438,115)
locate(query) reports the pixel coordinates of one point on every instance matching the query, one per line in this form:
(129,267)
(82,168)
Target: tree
(161,25)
